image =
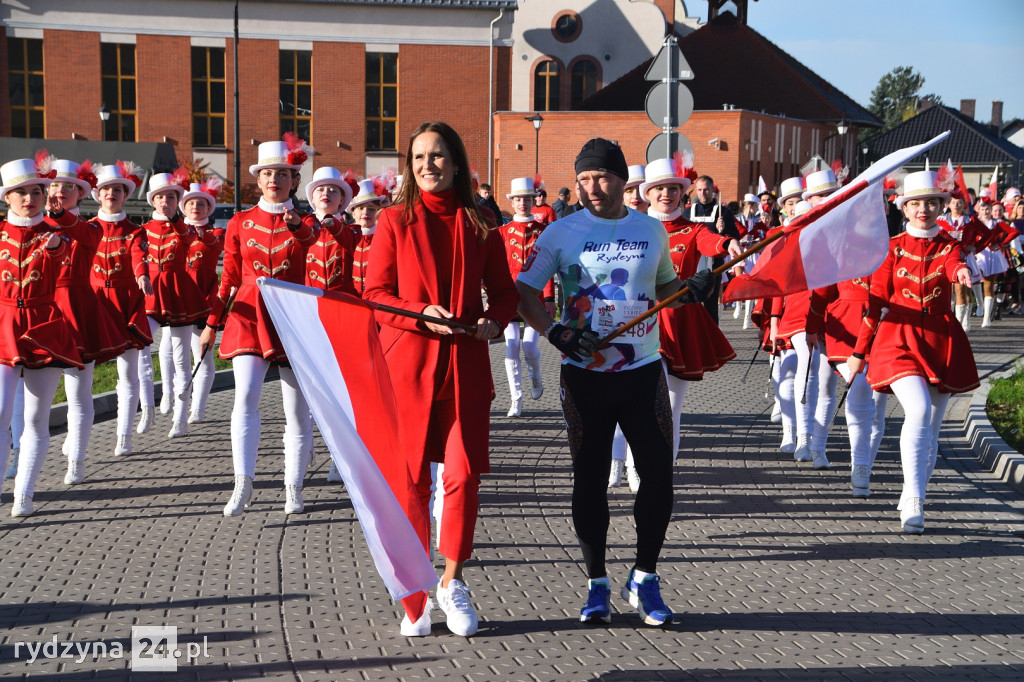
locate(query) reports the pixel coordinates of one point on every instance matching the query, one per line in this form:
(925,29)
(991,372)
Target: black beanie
(601,155)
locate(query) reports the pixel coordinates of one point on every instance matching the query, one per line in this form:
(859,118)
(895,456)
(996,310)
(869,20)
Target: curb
(995,455)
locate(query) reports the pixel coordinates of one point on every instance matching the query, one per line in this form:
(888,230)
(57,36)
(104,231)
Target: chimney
(967,108)
(925,104)
(668,8)
(997,116)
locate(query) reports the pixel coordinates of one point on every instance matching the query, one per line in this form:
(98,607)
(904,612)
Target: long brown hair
(409,195)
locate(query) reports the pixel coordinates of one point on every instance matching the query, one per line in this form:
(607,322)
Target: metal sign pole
(670,62)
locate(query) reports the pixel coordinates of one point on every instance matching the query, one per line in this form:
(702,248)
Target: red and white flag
(761,186)
(843,237)
(993,185)
(332,346)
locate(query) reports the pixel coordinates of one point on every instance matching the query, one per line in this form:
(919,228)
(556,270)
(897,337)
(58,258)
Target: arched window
(583,81)
(546,83)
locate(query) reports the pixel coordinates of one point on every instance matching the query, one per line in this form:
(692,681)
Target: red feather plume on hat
(85,173)
(352,181)
(212,186)
(945,179)
(383,183)
(180,178)
(44,164)
(131,171)
(538,183)
(298,150)
(682,166)
(840,171)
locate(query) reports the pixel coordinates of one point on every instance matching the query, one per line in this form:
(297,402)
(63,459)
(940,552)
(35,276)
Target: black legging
(593,403)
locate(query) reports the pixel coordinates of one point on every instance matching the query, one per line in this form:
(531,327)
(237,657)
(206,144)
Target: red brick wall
(258,74)
(5,114)
(71,84)
(339,105)
(163,84)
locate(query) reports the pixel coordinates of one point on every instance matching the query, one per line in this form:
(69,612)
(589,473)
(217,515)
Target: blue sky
(965,49)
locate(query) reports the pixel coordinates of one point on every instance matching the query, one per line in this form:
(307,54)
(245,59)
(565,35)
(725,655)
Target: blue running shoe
(599,602)
(646,597)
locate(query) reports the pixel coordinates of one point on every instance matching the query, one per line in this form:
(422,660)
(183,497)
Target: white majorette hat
(19,173)
(522,187)
(69,171)
(163,182)
(636,176)
(674,171)
(920,185)
(801,208)
(821,183)
(208,189)
(124,173)
(291,152)
(791,187)
(373,190)
(749,198)
(328,175)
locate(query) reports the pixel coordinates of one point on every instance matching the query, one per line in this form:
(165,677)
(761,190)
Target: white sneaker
(197,417)
(516,410)
(12,468)
(615,477)
(860,478)
(334,476)
(633,478)
(454,601)
(146,420)
(178,429)
(165,402)
(293,499)
(124,445)
(420,628)
(912,516)
(776,417)
(802,451)
(240,497)
(22,506)
(76,472)
(820,461)
(788,444)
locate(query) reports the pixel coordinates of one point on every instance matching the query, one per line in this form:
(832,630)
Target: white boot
(146,420)
(960,313)
(293,499)
(76,472)
(536,382)
(988,305)
(515,410)
(22,506)
(978,296)
(802,452)
(240,497)
(515,378)
(178,429)
(124,445)
(746,314)
(333,475)
(788,445)
(965,321)
(12,468)
(165,399)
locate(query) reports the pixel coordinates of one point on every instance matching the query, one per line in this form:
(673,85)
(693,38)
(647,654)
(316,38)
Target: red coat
(33,333)
(360,260)
(120,260)
(258,244)
(329,260)
(918,335)
(404,273)
(968,231)
(690,340)
(837,311)
(98,336)
(202,260)
(999,235)
(176,298)
(520,239)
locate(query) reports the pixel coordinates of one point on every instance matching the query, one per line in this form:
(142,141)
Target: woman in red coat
(918,350)
(430,254)
(120,277)
(35,340)
(267,240)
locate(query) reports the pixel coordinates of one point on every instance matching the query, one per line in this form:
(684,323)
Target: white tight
(677,396)
(81,412)
(824,411)
(203,384)
(528,343)
(793,375)
(127,390)
(923,408)
(175,366)
(40,386)
(146,367)
(249,372)
(865,417)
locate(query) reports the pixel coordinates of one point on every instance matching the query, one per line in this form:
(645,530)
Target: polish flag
(993,185)
(843,237)
(332,346)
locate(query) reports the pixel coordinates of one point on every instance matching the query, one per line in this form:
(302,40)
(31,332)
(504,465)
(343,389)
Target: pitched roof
(969,143)
(734,64)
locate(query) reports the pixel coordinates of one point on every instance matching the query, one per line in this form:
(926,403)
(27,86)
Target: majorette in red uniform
(519,235)
(991,260)
(968,231)
(176,303)
(372,195)
(329,260)
(268,240)
(35,340)
(197,205)
(99,338)
(120,277)
(918,351)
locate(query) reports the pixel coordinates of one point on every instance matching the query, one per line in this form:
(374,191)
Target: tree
(896,98)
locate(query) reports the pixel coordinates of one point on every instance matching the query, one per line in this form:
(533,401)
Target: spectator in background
(562,207)
(542,212)
(486,200)
(718,218)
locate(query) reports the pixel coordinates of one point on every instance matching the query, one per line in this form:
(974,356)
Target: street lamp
(104,117)
(536,120)
(865,150)
(841,129)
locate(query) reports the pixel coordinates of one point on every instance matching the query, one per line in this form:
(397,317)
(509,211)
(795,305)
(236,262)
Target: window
(297,93)
(545,86)
(208,94)
(381,101)
(25,89)
(118,67)
(583,81)
(566,26)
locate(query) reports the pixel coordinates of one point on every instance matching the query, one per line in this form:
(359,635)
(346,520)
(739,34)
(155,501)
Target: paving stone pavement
(774,570)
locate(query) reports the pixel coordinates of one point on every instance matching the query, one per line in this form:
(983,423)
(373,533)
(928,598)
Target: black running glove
(577,344)
(700,287)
